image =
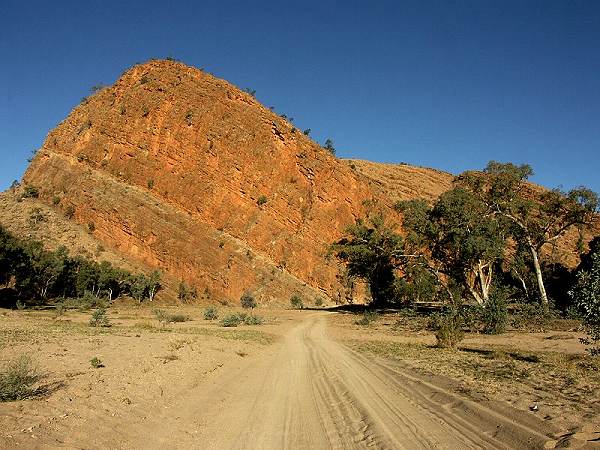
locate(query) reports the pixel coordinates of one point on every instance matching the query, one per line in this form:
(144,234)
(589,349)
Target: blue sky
(445,84)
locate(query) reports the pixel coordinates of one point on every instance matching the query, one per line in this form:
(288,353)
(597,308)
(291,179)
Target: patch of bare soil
(146,370)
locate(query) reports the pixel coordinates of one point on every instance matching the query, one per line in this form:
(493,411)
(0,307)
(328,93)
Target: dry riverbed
(304,379)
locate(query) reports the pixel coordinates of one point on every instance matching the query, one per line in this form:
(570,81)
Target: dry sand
(287,384)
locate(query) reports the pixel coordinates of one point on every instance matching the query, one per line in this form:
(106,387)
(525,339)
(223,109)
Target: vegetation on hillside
(31,273)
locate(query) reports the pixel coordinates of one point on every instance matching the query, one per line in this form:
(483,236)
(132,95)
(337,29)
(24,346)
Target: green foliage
(461,240)
(530,316)
(586,297)
(177,318)
(417,285)
(296,302)
(531,222)
(189,116)
(307,132)
(329,146)
(370,251)
(318,302)
(367,318)
(248,301)
(262,199)
(30,192)
(55,200)
(164,317)
(186,293)
(145,287)
(18,380)
(150,183)
(211,313)
(252,92)
(99,318)
(449,328)
(253,320)
(232,320)
(96,363)
(494,315)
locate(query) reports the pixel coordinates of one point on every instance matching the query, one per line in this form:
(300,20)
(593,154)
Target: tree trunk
(538,274)
(476,295)
(485,279)
(522,280)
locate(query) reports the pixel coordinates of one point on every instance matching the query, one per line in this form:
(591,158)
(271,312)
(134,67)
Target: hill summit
(184,172)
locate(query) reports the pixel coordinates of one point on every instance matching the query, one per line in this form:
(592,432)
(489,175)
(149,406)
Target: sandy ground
(295,382)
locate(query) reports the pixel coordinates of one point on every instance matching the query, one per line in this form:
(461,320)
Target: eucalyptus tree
(534,220)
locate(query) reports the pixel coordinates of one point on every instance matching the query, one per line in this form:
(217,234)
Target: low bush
(532,316)
(494,316)
(19,380)
(164,317)
(296,302)
(31,192)
(99,318)
(211,313)
(318,302)
(262,200)
(253,320)
(233,320)
(177,318)
(449,329)
(586,298)
(247,301)
(96,363)
(367,318)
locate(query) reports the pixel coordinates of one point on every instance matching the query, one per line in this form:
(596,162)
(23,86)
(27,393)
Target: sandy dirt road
(311,392)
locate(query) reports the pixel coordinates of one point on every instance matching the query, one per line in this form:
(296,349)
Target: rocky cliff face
(185,172)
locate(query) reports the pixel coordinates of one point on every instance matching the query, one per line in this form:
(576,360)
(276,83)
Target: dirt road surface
(310,392)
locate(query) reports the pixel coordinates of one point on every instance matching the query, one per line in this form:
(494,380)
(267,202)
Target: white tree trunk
(538,274)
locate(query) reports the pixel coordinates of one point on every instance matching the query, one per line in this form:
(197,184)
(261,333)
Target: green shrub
(233,320)
(59,310)
(211,313)
(164,317)
(247,301)
(318,302)
(99,318)
(178,318)
(88,301)
(367,318)
(533,317)
(96,363)
(262,200)
(55,200)
(494,316)
(31,192)
(296,302)
(253,320)
(449,329)
(18,380)
(586,297)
